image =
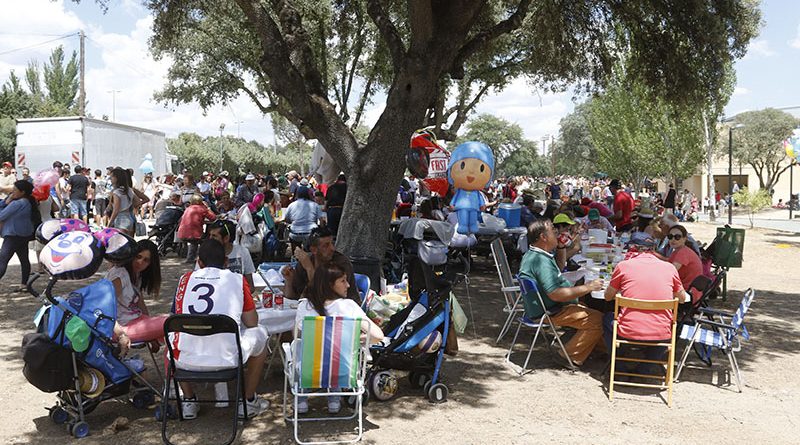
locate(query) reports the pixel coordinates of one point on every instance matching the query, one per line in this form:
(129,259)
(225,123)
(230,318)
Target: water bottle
(221,393)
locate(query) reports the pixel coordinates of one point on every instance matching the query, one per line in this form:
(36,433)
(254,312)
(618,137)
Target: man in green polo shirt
(559,295)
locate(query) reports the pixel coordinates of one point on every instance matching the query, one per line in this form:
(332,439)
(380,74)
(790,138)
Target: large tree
(759,143)
(513,154)
(279,48)
(638,134)
(574,151)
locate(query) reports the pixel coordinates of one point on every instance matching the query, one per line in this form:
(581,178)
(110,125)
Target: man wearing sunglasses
(239,260)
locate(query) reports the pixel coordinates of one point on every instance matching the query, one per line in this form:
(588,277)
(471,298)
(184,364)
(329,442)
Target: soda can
(278,300)
(266,298)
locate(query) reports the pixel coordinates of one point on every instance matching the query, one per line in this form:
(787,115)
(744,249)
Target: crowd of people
(218,213)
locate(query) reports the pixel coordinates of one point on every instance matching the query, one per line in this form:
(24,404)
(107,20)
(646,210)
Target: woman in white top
(328,297)
(131,281)
(149,187)
(124,201)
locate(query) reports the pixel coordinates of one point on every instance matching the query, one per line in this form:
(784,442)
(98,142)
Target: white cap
(250,177)
(304,181)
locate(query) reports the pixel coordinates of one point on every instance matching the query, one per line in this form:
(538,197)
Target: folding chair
(329,360)
(508,286)
(644,305)
(200,325)
(363,284)
(529,289)
(719,334)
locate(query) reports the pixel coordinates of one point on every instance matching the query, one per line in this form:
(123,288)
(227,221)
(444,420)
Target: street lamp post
(791,186)
(114,104)
(221,152)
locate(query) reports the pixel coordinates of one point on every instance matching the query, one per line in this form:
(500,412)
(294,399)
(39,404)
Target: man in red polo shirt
(623,207)
(644,277)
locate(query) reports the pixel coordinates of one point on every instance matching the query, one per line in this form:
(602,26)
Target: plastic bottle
(221,393)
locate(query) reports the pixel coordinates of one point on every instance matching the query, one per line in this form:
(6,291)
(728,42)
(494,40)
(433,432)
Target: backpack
(48,366)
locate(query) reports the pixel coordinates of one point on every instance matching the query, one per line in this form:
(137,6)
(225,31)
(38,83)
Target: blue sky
(118,60)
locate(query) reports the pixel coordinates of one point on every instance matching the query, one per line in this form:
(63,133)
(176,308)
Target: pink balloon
(105,235)
(48,176)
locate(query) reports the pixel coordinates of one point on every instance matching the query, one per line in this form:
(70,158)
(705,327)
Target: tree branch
(482,38)
(388,31)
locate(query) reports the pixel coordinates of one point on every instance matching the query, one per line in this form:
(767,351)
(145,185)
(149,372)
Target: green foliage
(235,155)
(51,91)
(513,154)
(574,151)
(759,143)
(638,134)
(753,202)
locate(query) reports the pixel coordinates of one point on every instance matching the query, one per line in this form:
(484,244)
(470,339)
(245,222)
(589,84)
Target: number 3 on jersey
(203,292)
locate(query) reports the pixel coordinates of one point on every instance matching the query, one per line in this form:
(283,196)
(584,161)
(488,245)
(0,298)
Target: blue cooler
(511,214)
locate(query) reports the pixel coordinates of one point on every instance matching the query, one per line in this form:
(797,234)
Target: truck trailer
(91,143)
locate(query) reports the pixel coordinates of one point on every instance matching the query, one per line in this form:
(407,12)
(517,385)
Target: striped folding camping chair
(719,333)
(329,360)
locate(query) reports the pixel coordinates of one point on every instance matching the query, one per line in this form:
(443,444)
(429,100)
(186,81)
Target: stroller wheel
(80,430)
(418,379)
(143,399)
(383,385)
(58,415)
(438,393)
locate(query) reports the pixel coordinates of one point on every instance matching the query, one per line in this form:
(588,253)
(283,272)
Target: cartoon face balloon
(51,229)
(72,256)
(471,166)
(469,171)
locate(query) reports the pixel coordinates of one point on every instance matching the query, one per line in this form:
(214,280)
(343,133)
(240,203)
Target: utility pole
(553,154)
(82,86)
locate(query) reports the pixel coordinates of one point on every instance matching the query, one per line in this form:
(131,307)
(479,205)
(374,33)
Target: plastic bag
(381,307)
(459,317)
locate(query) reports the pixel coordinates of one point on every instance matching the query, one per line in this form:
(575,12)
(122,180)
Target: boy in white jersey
(213,289)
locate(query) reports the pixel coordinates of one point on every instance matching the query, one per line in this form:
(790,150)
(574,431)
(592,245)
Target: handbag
(141,228)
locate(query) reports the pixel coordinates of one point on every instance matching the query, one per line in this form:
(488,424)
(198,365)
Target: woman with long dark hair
(328,297)
(132,280)
(19,216)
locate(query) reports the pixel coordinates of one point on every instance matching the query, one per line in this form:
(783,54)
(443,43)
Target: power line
(41,34)
(37,44)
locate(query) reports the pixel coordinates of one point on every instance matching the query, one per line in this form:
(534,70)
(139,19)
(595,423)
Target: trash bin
(371,267)
(729,247)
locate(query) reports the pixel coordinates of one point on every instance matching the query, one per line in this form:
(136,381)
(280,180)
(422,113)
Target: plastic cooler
(510,213)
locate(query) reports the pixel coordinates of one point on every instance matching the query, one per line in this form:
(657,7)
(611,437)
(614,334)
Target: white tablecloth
(277,320)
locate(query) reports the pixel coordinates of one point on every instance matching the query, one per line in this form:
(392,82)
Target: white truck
(92,143)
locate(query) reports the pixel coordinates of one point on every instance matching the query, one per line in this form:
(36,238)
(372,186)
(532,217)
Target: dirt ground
(488,401)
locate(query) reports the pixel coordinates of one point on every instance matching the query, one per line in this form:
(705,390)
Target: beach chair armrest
(708,310)
(510,289)
(716,324)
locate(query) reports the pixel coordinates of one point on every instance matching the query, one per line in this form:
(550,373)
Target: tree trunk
(712,192)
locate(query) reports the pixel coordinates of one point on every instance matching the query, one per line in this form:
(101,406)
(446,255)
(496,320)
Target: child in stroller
(78,347)
(167,220)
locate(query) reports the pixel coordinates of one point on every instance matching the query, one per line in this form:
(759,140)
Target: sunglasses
(676,236)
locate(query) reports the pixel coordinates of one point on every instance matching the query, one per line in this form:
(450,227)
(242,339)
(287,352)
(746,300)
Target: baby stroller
(72,353)
(416,337)
(164,230)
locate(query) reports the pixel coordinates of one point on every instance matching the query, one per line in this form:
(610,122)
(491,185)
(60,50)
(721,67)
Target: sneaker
(334,404)
(302,406)
(254,407)
(190,408)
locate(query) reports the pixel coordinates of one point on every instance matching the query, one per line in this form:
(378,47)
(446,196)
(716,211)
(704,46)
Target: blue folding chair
(363,284)
(530,291)
(718,333)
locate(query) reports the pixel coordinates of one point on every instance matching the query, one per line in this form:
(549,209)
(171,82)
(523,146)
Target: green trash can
(729,247)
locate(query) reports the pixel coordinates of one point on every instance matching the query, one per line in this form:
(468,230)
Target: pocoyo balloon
(147,164)
(469,171)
